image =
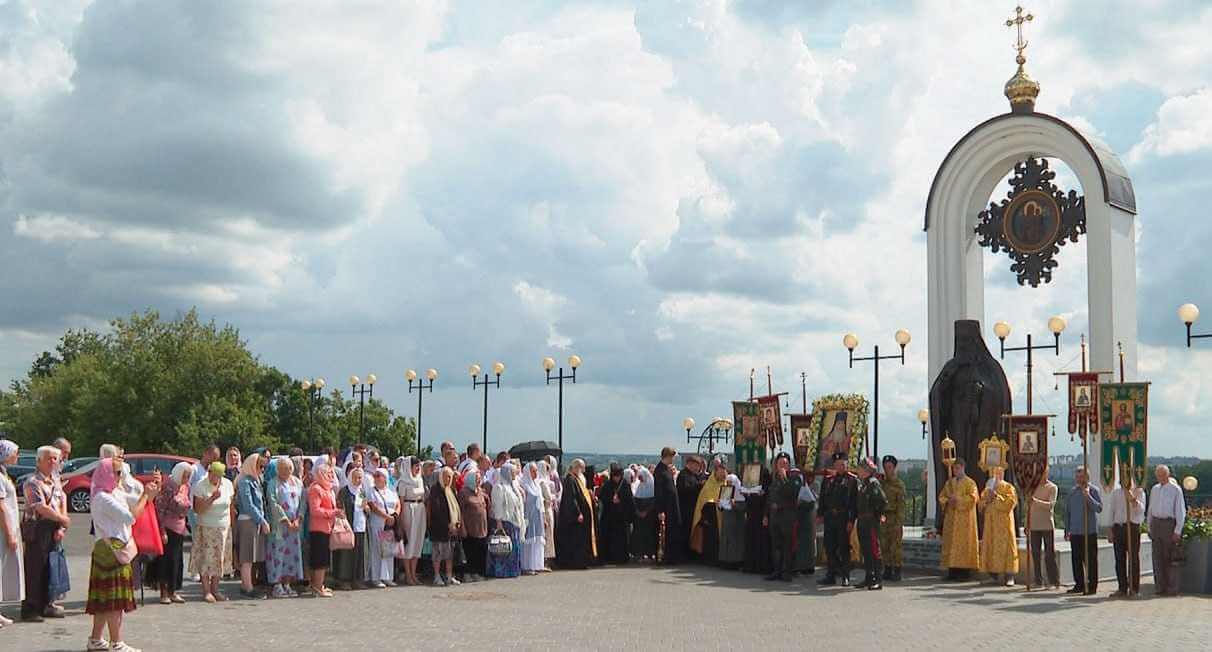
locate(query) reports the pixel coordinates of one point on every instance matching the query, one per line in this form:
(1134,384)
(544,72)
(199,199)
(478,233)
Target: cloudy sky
(675,191)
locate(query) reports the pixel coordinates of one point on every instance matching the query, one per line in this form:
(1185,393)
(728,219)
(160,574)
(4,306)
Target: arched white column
(962,188)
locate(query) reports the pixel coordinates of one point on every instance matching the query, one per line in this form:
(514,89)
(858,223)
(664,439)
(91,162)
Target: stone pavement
(645,608)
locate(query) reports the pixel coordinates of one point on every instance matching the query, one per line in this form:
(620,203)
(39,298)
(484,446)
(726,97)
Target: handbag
(342,537)
(387,543)
(58,581)
(127,553)
(400,551)
(499,544)
(146,533)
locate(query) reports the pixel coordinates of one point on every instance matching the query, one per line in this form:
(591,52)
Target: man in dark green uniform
(837,507)
(892,529)
(781,518)
(871,506)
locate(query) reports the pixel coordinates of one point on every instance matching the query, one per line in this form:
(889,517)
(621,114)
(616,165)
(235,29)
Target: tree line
(173,386)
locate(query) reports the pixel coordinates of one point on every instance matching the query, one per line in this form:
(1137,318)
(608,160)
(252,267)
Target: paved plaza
(643,608)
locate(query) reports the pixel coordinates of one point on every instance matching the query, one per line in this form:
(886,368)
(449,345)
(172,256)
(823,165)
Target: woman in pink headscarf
(111,590)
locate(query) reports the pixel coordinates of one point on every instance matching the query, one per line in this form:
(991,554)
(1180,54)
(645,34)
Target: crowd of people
(294,524)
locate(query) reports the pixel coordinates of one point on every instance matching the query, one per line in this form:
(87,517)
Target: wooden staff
(1133,555)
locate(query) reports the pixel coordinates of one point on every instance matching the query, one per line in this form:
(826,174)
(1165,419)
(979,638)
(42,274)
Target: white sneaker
(437,581)
(121,646)
(280,591)
(453,582)
(97,645)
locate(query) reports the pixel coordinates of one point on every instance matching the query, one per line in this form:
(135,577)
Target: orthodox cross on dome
(1020,89)
(1017,22)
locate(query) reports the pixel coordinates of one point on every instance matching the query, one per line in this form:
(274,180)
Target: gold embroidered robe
(999,548)
(960,548)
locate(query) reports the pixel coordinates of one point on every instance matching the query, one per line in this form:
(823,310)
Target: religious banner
(1028,434)
(1125,430)
(749,443)
(1083,403)
(771,420)
(838,425)
(802,440)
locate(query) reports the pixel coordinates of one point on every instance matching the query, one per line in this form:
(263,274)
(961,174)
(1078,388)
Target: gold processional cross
(1017,22)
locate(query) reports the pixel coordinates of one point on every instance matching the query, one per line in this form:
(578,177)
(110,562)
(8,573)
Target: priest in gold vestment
(999,548)
(959,497)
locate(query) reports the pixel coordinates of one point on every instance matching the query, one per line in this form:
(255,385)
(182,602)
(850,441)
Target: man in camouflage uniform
(781,518)
(871,507)
(892,529)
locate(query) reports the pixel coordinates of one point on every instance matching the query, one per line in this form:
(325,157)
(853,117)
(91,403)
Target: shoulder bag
(342,537)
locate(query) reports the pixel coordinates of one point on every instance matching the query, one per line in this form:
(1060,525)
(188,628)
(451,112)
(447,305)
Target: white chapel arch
(962,188)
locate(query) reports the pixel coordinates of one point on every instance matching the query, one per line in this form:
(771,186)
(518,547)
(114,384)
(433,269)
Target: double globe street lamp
(851,342)
(411,376)
(574,361)
(498,368)
(1002,330)
(313,389)
(362,390)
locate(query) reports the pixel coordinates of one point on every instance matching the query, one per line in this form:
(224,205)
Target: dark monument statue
(967,401)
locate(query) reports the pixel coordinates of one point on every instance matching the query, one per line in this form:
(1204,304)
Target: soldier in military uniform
(838,509)
(781,518)
(871,507)
(892,528)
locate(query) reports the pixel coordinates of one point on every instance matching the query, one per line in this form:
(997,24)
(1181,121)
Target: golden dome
(1021,90)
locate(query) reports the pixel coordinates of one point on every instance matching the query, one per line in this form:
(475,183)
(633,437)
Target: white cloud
(49,228)
(1184,124)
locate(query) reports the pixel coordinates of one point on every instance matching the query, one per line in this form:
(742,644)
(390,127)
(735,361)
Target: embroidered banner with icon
(1083,403)
(772,420)
(1028,435)
(1124,410)
(749,443)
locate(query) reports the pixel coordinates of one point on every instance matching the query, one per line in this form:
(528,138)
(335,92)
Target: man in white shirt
(1127,513)
(1167,512)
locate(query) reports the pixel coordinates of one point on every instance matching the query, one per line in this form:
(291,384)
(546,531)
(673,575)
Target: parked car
(73,465)
(77,486)
(26,464)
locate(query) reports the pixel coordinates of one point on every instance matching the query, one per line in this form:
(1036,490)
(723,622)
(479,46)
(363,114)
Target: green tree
(150,385)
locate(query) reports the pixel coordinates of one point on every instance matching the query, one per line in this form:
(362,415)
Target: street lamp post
(1189,314)
(411,377)
(498,368)
(314,390)
(923,416)
(1002,330)
(719,429)
(361,390)
(574,361)
(851,342)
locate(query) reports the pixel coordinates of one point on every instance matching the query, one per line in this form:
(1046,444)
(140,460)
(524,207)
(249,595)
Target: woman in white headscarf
(509,514)
(548,514)
(384,506)
(644,536)
(732,523)
(12,567)
(411,491)
(533,542)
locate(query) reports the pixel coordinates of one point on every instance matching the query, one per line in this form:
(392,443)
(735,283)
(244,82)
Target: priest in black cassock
(690,483)
(757,533)
(669,515)
(575,541)
(618,515)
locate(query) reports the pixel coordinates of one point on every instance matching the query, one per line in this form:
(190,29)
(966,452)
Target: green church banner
(1124,421)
